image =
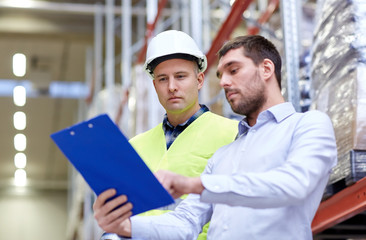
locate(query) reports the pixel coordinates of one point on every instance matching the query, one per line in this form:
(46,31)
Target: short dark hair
(256,48)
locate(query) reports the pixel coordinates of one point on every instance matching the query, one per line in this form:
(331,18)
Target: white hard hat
(173,44)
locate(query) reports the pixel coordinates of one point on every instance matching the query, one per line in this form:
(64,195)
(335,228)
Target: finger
(166,185)
(112,211)
(122,212)
(165,181)
(114,203)
(101,213)
(102,198)
(160,175)
(175,194)
(117,224)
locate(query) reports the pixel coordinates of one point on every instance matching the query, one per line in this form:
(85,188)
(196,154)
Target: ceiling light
(20,120)
(19,64)
(19,3)
(20,160)
(20,142)
(19,96)
(20,177)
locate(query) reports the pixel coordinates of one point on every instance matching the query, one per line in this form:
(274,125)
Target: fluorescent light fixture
(20,160)
(19,96)
(20,120)
(20,142)
(20,177)
(19,3)
(19,64)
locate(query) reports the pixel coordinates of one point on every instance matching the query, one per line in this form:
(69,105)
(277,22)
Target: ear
(154,83)
(268,68)
(200,79)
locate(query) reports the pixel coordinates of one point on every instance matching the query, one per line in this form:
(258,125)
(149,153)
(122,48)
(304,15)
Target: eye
(233,70)
(180,76)
(160,79)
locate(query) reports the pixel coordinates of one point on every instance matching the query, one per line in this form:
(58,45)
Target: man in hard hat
(267,184)
(189,133)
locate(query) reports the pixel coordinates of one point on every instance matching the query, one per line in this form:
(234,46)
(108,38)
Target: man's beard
(252,101)
(249,105)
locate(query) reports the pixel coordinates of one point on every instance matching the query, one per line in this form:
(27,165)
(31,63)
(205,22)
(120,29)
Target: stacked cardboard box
(338,79)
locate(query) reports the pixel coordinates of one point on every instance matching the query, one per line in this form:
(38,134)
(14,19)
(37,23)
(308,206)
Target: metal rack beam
(231,22)
(290,11)
(265,16)
(150,29)
(340,207)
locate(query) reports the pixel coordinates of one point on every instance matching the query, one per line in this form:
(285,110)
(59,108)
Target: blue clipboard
(105,159)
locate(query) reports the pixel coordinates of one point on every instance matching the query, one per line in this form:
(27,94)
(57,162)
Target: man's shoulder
(315,116)
(313,119)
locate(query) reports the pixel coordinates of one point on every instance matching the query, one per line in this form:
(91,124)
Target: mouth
(174,98)
(230,94)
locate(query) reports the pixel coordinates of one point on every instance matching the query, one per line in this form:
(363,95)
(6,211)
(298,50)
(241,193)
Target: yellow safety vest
(190,151)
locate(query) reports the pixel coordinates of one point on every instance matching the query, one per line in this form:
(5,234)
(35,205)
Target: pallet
(358,166)
(357,172)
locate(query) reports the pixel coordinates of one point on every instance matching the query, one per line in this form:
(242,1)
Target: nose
(172,85)
(224,81)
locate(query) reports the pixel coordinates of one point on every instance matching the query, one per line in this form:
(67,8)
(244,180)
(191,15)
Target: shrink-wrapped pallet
(338,79)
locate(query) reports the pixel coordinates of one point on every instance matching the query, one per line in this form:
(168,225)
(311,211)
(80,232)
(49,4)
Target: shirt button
(226,227)
(254,130)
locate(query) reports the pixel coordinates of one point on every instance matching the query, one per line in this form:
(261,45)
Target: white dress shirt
(267,184)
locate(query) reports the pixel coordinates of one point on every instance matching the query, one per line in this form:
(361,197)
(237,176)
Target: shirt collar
(282,111)
(202,110)
(279,112)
